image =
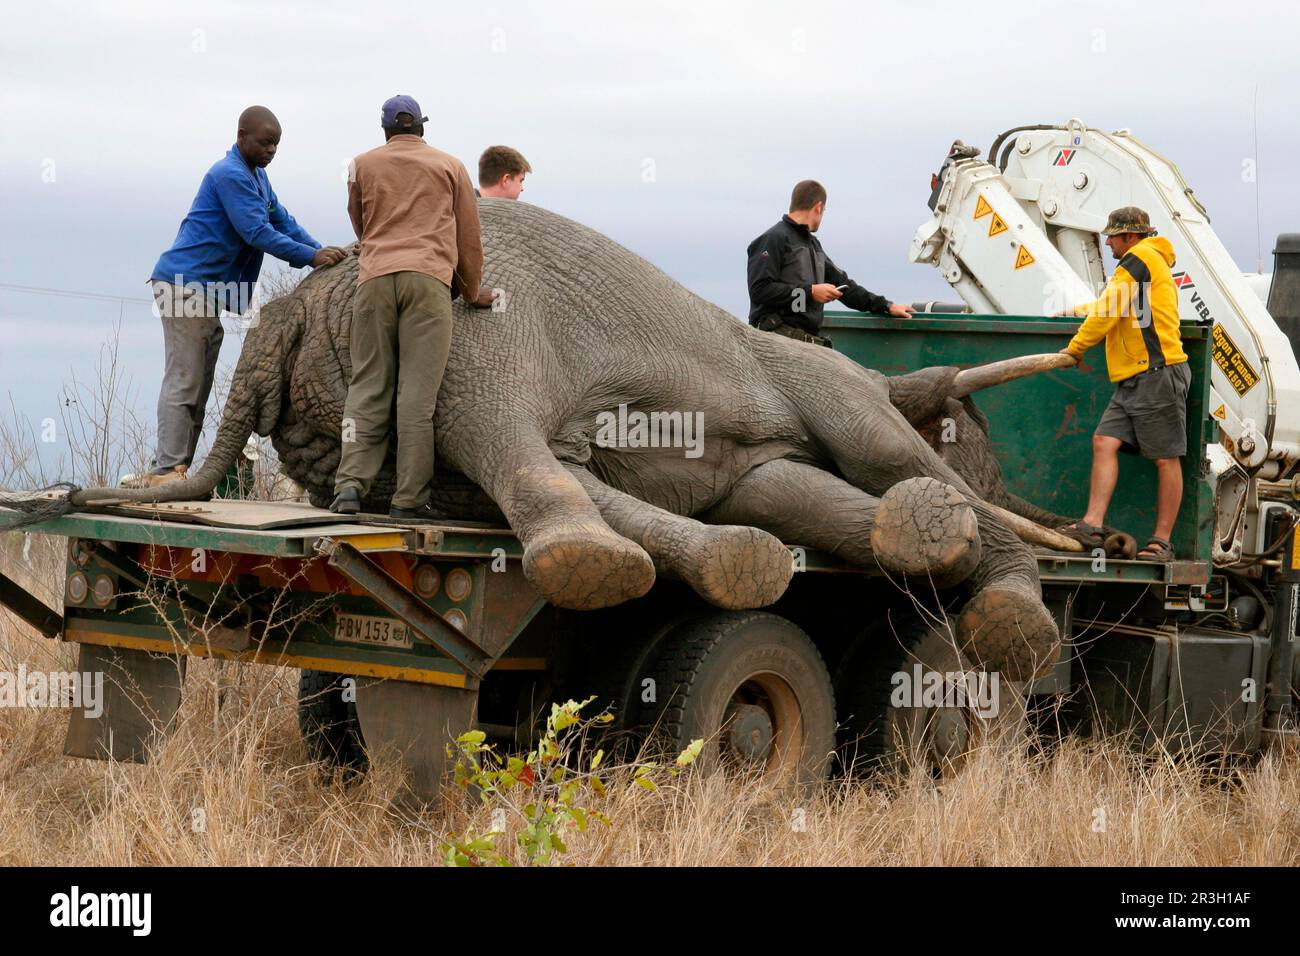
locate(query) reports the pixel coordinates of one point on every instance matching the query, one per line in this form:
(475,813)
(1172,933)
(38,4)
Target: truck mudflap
(408,722)
(405,723)
(412,724)
(141,694)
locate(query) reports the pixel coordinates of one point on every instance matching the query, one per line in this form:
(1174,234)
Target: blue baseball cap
(400,104)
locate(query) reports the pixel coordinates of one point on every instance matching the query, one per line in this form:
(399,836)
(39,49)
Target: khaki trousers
(192,337)
(401,333)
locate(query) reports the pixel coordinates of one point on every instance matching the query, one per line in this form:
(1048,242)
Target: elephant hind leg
(586,566)
(920,528)
(734,567)
(573,558)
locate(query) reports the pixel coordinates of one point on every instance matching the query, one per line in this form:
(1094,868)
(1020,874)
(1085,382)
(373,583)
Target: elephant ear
(973,411)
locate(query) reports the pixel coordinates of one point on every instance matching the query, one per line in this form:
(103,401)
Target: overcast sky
(113,112)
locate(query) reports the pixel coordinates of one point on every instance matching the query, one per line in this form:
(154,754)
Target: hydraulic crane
(1018,234)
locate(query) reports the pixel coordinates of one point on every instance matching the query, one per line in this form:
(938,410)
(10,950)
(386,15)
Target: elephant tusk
(1008,370)
(1032,533)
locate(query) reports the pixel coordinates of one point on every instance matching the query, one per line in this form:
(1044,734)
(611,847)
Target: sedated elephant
(798,443)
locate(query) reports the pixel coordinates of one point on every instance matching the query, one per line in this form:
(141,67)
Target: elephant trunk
(252,405)
(237,422)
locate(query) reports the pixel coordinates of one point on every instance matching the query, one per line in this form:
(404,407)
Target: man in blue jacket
(213,266)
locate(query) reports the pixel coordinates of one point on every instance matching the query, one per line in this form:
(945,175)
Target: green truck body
(1041,426)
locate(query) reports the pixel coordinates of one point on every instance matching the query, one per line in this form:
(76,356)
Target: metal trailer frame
(143,595)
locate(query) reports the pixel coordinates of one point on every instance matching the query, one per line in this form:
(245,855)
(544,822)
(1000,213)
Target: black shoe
(346,502)
(423,513)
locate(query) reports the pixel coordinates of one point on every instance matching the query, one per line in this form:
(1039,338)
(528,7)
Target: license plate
(372,631)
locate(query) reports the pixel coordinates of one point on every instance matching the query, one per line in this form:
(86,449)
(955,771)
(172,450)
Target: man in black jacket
(791,278)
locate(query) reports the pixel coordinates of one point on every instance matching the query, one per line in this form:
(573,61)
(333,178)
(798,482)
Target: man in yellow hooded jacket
(1137,315)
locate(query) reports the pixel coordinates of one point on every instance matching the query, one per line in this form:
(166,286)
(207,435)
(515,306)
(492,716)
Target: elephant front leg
(573,558)
(1004,626)
(732,566)
(921,528)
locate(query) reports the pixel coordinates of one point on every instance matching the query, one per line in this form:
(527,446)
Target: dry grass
(243,765)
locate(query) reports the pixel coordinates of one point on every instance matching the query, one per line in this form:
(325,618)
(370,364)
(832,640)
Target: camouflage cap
(1128,219)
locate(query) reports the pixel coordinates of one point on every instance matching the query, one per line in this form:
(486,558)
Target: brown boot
(152,480)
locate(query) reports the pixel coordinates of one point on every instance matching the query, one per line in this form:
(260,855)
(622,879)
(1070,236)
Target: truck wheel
(753,686)
(877,735)
(615,677)
(1295,682)
(329,724)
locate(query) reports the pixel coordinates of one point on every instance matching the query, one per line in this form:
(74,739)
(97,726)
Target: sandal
(1088,535)
(1156,549)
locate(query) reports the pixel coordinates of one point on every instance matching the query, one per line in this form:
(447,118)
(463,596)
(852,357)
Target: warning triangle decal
(1024,257)
(1220,412)
(996,225)
(982,208)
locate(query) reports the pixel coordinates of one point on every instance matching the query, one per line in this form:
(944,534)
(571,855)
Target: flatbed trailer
(406,632)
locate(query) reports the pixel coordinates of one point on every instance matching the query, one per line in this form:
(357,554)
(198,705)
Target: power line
(71,293)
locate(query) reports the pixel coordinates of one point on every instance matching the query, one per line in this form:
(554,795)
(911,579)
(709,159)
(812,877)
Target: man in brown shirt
(413,209)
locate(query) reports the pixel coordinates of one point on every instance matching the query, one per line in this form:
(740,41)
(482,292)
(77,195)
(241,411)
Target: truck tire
(615,677)
(877,736)
(751,685)
(329,724)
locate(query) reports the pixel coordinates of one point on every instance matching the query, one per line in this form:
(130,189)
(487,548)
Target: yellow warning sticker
(1024,258)
(982,208)
(1220,413)
(996,225)
(1241,375)
(1295,550)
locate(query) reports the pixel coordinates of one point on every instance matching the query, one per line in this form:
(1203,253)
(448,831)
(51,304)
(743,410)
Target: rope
(36,509)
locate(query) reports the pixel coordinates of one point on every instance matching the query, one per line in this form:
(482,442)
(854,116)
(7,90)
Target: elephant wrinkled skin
(799,443)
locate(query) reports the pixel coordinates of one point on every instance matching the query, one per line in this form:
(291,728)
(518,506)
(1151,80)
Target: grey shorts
(1148,413)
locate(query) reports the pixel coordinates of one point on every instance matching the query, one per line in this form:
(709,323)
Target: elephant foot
(737,567)
(1010,631)
(924,527)
(586,567)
